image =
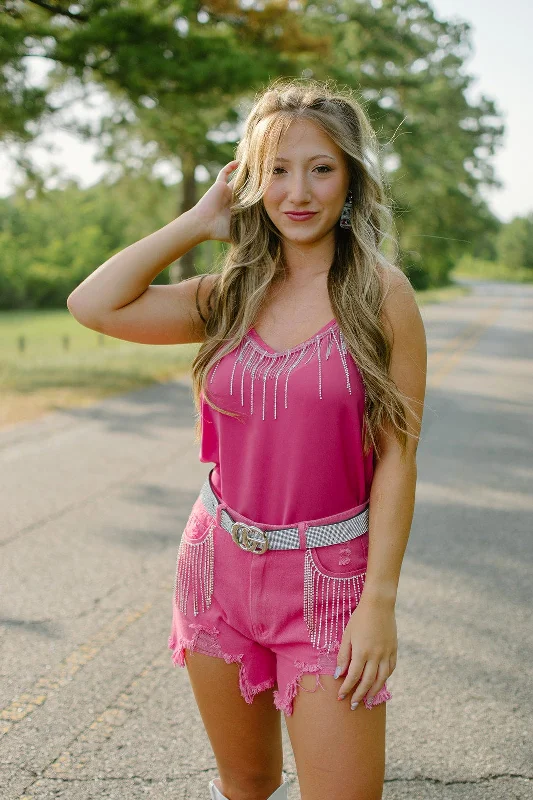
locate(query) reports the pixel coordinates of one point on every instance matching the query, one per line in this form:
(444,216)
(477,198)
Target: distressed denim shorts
(279,614)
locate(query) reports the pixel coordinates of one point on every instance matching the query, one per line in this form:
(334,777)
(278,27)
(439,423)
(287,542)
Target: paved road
(93,502)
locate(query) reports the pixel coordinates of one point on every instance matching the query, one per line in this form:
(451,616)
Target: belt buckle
(249,537)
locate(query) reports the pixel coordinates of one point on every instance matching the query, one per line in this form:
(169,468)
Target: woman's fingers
(381,677)
(225,171)
(232,181)
(352,676)
(368,682)
(365,684)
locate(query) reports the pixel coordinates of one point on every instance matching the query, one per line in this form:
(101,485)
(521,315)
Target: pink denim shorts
(279,614)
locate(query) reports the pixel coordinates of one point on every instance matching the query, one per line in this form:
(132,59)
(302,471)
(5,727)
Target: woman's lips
(300,217)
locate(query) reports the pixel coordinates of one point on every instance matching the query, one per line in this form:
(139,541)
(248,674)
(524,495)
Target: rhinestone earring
(347,212)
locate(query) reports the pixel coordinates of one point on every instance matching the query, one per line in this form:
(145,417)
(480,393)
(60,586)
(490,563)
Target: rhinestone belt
(257,540)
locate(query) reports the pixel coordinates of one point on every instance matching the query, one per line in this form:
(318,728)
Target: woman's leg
(246,738)
(339,753)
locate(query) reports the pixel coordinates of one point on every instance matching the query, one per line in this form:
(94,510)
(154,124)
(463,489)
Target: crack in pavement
(465,781)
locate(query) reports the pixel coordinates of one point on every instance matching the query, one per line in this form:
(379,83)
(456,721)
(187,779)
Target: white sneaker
(281,793)
(215,793)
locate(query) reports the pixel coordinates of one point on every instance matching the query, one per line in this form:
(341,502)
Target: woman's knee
(246,737)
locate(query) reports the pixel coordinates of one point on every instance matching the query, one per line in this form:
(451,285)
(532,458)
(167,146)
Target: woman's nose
(298,190)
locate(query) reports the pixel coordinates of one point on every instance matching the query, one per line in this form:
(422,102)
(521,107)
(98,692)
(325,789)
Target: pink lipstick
(300,216)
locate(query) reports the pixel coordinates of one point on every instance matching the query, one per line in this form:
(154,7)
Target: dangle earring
(347,212)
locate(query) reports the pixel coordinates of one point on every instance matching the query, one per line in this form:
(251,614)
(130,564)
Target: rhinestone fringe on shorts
(194,570)
(337,598)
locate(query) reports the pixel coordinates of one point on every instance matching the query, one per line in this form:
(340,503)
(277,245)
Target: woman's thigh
(245,737)
(338,752)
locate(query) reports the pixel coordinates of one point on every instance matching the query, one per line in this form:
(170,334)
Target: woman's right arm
(118,299)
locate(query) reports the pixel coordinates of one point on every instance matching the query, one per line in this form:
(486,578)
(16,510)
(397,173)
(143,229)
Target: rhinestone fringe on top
(260,362)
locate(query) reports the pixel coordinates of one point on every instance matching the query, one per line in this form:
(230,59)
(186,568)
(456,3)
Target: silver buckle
(249,537)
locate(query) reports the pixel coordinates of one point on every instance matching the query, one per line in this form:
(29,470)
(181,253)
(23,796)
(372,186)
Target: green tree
(174,70)
(53,240)
(436,146)
(22,107)
(515,243)
(181,76)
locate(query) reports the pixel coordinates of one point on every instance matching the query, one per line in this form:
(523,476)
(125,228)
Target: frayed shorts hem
(209,646)
(204,641)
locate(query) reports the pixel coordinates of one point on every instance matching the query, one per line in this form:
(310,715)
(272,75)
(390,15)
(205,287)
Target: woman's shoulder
(392,278)
(399,308)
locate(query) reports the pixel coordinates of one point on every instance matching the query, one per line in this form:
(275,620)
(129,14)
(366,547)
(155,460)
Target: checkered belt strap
(288,538)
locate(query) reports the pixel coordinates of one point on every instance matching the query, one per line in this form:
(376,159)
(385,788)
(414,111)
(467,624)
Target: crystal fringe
(194,570)
(262,363)
(337,598)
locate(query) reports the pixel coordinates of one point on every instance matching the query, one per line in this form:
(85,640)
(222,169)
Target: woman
(312,360)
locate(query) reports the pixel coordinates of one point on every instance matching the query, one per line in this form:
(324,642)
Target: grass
(468,267)
(49,361)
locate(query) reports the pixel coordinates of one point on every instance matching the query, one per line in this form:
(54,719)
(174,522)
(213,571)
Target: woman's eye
(322,166)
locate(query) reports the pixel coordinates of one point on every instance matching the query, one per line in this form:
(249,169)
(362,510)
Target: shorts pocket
(195,562)
(334,577)
(342,559)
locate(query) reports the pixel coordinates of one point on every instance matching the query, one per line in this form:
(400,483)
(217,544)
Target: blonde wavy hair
(356,278)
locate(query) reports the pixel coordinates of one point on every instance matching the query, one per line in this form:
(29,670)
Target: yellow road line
(61,675)
(81,750)
(447,358)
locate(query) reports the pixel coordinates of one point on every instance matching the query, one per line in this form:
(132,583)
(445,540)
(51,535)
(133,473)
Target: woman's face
(309,174)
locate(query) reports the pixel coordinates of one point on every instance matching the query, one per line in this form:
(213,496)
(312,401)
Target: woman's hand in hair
(213,209)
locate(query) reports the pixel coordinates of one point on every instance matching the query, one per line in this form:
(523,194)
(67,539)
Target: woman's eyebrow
(320,155)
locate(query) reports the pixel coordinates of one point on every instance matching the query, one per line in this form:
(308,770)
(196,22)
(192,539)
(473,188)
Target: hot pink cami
(297,452)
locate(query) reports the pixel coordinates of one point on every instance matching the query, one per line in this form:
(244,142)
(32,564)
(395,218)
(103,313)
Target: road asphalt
(93,502)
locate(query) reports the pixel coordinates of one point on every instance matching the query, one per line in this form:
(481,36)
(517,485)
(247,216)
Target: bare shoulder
(405,328)
(394,279)
(400,309)
(408,364)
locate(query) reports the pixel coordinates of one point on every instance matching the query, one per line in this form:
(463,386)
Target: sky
(501,63)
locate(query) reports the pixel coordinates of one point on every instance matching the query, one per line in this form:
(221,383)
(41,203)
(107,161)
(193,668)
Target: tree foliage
(181,76)
(52,240)
(514,243)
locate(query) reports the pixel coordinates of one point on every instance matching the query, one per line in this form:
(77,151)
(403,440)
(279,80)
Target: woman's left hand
(369,646)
